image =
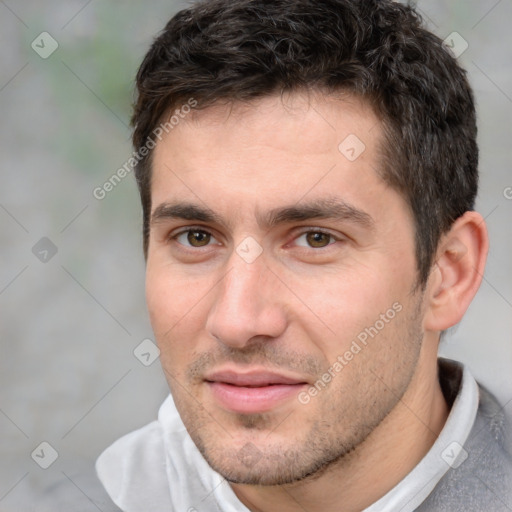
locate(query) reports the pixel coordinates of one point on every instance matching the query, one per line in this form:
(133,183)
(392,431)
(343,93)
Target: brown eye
(198,238)
(318,239)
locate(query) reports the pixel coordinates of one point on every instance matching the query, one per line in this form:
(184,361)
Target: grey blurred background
(72,307)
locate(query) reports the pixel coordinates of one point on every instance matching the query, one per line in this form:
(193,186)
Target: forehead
(298,121)
(268,152)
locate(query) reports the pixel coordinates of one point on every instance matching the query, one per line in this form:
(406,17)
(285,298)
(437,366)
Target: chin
(270,465)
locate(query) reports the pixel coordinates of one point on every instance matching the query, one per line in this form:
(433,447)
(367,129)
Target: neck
(377,465)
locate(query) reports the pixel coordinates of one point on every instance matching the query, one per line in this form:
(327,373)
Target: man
(308,171)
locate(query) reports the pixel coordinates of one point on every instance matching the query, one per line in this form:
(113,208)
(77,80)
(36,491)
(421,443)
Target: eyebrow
(184,211)
(327,209)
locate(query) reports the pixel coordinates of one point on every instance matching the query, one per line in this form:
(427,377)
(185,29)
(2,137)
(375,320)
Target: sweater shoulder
(483,480)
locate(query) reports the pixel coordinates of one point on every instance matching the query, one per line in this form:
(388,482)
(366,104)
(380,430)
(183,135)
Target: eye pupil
(198,238)
(318,239)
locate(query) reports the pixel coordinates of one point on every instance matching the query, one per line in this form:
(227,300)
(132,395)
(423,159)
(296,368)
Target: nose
(246,304)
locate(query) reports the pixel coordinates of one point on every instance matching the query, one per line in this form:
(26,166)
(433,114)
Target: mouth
(252,392)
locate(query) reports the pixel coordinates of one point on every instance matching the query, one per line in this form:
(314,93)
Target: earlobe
(457,272)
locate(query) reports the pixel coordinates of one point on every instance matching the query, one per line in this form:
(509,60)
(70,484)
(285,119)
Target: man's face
(280,280)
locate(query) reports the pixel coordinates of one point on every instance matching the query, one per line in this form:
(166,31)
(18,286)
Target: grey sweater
(483,482)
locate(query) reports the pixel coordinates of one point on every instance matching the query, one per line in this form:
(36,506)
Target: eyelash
(297,236)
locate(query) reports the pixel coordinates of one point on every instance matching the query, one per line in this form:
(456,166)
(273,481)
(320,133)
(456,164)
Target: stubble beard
(266,458)
(256,453)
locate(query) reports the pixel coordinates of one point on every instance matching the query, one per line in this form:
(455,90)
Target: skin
(302,302)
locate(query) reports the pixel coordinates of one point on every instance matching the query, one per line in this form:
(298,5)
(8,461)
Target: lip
(253,378)
(252,392)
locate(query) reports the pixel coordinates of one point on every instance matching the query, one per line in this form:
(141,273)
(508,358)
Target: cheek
(159,299)
(176,306)
(347,300)
(171,295)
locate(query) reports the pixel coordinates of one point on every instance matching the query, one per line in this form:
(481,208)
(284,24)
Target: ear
(457,272)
